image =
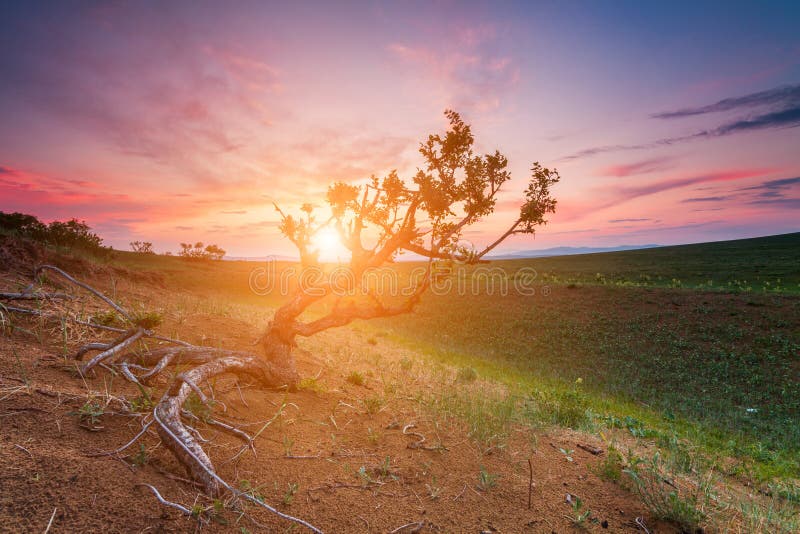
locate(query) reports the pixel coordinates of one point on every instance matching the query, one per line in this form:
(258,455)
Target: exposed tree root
(35,296)
(165,502)
(142,367)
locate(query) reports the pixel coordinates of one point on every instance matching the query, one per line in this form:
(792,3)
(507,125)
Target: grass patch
(653,482)
(466,374)
(356,378)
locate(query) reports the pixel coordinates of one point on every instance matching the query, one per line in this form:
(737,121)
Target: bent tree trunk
(275,369)
(278,342)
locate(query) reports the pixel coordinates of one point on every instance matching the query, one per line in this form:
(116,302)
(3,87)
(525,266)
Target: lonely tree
(425,215)
(454,190)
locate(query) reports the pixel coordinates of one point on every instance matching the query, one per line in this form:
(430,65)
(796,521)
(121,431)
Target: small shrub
(356,378)
(253,491)
(71,234)
(89,415)
(311,384)
(363,476)
(567,454)
(466,374)
(147,319)
(406,363)
(197,407)
(198,251)
(563,408)
(108,318)
(433,489)
(373,404)
(486,480)
(142,247)
(610,468)
(291,489)
(142,403)
(142,457)
(578,516)
(663,499)
(373,436)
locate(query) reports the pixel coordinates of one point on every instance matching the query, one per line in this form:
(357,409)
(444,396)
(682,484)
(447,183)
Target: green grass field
(688,356)
(719,361)
(700,341)
(760,264)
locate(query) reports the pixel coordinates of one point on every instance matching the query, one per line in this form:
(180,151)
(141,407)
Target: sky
(669,122)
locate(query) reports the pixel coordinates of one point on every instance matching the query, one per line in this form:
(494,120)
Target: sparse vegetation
(291,490)
(373,405)
(89,415)
(147,319)
(579,515)
(106,318)
(486,480)
(356,378)
(467,374)
(67,235)
(611,465)
(660,492)
(199,251)
(142,247)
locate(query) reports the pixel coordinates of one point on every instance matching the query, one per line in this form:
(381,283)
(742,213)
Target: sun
(327,242)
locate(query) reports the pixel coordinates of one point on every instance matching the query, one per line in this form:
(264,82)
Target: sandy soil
(353,471)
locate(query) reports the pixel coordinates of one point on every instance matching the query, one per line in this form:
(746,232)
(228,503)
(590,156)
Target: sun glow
(327,242)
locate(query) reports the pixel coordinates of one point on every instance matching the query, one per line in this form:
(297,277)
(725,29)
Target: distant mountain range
(271,257)
(555,251)
(564,251)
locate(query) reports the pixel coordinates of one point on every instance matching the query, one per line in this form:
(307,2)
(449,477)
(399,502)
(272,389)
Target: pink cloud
(639,167)
(470,78)
(612,196)
(253,74)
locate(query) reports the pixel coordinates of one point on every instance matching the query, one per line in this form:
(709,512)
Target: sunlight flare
(326,241)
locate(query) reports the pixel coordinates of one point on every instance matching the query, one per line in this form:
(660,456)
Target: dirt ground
(329,453)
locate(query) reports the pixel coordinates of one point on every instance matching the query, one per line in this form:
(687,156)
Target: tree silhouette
(142,247)
(454,190)
(199,251)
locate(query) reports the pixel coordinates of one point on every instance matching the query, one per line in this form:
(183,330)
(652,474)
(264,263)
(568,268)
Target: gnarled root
(276,370)
(174,433)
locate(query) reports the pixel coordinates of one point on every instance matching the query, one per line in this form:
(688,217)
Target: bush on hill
(71,234)
(198,251)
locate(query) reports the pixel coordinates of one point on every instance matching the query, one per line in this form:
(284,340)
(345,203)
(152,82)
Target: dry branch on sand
(168,413)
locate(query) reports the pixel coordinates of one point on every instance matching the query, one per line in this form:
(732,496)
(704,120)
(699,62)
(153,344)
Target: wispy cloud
(658,228)
(634,191)
(638,167)
(705,199)
(472,77)
(666,141)
(779,97)
(773,193)
(787,118)
(614,197)
(780,109)
(773,185)
(793,203)
(614,221)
